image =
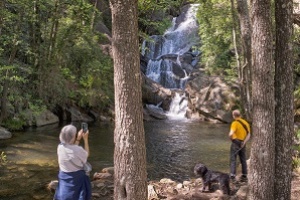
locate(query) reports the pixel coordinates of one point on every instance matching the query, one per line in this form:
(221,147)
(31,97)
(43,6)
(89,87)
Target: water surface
(173,148)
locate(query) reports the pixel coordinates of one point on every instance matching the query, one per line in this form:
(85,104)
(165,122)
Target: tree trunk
(246,70)
(95,2)
(261,178)
(1,16)
(284,120)
(54,30)
(234,41)
(130,178)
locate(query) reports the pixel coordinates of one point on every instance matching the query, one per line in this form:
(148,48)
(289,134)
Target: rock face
(154,93)
(211,98)
(43,118)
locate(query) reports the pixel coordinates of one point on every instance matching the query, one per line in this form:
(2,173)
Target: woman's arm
(86,142)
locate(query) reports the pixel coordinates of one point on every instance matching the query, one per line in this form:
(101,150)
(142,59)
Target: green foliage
(14,124)
(297,60)
(154,16)
(50,55)
(3,158)
(296,155)
(215,21)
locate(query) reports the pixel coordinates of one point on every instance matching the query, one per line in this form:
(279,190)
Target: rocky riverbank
(103,187)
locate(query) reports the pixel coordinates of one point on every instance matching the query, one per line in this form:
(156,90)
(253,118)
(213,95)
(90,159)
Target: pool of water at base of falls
(173,149)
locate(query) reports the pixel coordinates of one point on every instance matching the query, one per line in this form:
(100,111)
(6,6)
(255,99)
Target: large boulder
(155,111)
(154,93)
(45,118)
(73,114)
(42,118)
(5,134)
(211,98)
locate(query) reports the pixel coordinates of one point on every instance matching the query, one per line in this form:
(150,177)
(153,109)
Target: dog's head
(200,169)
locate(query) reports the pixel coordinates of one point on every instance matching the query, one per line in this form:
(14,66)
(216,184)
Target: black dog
(209,177)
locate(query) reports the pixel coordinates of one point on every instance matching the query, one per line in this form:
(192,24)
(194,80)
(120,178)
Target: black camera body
(84,127)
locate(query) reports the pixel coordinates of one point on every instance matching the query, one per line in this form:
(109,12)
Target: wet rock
(242,192)
(178,186)
(102,176)
(211,98)
(152,193)
(96,195)
(52,185)
(45,118)
(167,180)
(155,111)
(5,134)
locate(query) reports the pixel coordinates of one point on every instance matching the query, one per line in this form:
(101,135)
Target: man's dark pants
(235,150)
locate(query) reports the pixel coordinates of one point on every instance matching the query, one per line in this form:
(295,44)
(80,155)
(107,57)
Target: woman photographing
(73,183)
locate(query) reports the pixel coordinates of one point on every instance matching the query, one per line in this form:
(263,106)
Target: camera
(84,127)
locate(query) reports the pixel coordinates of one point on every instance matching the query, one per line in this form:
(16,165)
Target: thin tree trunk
(36,33)
(54,29)
(284,120)
(1,17)
(130,178)
(262,163)
(246,70)
(240,69)
(94,14)
(234,39)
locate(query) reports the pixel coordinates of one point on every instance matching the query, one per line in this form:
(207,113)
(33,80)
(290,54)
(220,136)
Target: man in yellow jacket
(239,135)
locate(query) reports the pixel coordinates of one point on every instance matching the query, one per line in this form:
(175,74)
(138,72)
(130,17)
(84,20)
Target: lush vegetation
(2,158)
(215,19)
(156,16)
(50,55)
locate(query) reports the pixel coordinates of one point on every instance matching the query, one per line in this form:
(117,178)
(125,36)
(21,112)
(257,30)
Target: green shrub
(3,159)
(13,124)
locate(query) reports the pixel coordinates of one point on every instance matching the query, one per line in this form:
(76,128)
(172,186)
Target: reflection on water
(173,148)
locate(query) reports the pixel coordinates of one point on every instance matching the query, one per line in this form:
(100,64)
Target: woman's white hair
(67,134)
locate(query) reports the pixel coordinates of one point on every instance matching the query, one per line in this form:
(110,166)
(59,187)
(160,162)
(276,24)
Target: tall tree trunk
(1,16)
(246,69)
(35,29)
(261,178)
(284,120)
(130,178)
(54,29)
(95,2)
(234,40)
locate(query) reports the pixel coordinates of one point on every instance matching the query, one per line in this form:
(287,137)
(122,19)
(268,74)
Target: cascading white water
(166,54)
(178,107)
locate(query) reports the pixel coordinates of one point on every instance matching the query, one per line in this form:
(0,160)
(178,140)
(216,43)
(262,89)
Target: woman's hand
(85,135)
(79,135)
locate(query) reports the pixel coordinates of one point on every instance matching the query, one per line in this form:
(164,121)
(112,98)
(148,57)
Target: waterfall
(171,56)
(178,107)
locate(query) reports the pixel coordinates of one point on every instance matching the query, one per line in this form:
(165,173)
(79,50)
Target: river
(173,148)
